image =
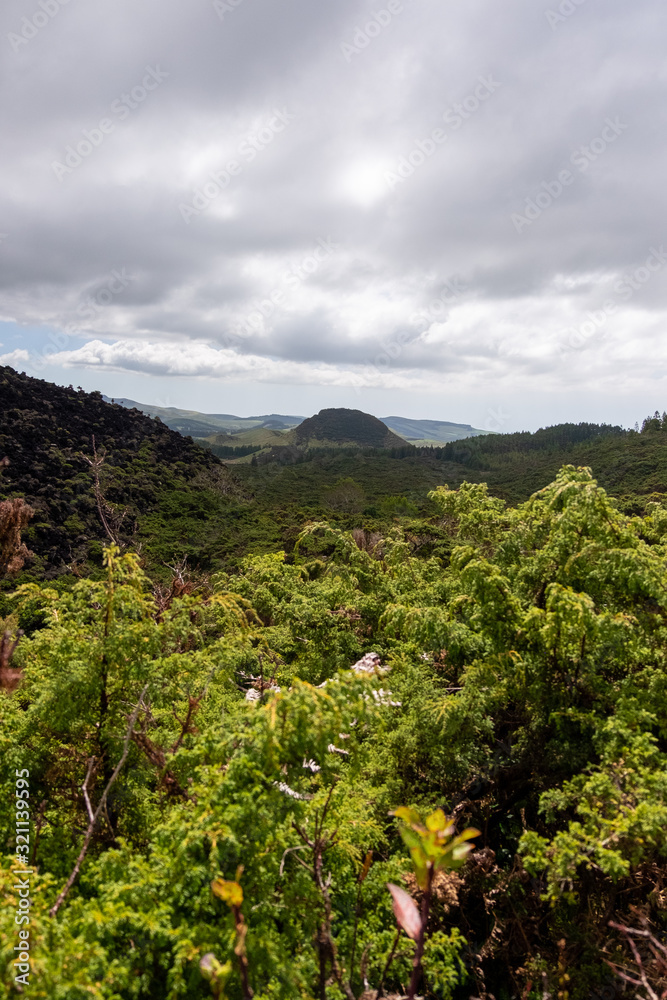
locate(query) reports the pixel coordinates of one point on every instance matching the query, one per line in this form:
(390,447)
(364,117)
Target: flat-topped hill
(342,426)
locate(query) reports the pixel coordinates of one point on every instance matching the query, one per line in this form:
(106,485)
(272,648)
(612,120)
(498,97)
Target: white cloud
(194,285)
(196,360)
(15,359)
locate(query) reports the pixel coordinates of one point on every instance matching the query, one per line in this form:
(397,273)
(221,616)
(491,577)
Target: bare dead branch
(638,933)
(627,933)
(619,972)
(326,946)
(186,724)
(9,676)
(156,755)
(100,806)
(111,519)
(84,789)
(387,965)
(180,585)
(14,517)
(289,850)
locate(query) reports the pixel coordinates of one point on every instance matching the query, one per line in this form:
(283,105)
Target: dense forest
(326,727)
(70,452)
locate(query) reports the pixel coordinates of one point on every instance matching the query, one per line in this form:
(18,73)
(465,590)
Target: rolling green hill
(203,425)
(332,428)
(239,447)
(177,499)
(436,431)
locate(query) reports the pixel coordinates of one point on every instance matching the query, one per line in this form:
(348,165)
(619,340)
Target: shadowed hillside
(343,426)
(163,493)
(153,483)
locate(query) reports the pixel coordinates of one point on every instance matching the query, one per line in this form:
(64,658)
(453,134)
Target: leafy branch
(326,946)
(101,806)
(432,846)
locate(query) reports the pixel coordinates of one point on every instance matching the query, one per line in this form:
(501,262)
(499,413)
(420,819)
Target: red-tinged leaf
(405,911)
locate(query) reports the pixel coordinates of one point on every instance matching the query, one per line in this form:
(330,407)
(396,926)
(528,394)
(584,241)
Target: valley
(330,654)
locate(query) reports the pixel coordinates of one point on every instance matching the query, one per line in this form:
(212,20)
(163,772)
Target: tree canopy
(227,774)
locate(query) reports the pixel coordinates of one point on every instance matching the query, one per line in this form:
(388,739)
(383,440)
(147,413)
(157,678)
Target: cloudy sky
(431,209)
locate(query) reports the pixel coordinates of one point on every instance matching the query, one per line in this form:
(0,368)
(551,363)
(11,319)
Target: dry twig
(9,676)
(111,519)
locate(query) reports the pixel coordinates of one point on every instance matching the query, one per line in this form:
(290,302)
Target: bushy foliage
(518,687)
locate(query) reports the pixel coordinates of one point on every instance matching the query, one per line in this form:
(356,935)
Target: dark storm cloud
(483,176)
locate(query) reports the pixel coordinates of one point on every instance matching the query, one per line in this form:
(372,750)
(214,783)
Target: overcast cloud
(444,210)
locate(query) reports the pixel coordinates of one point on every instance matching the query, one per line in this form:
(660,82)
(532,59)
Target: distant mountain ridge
(203,425)
(196,424)
(431,430)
